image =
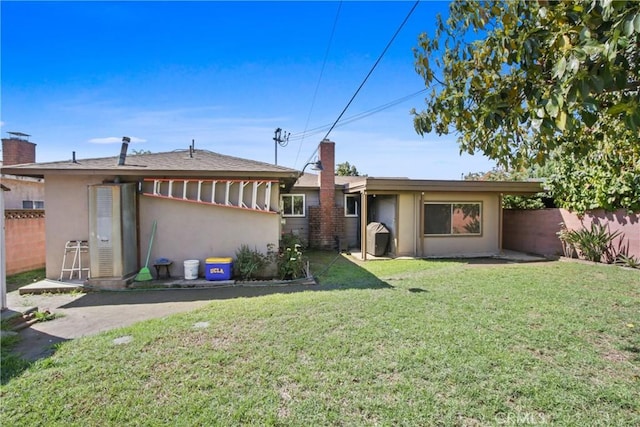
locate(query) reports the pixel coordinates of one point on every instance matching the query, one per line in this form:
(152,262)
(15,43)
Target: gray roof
(311,180)
(173,163)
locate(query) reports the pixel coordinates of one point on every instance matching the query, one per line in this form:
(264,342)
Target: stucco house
(424,218)
(205,205)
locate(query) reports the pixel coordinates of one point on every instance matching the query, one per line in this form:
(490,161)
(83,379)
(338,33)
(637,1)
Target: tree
(536,172)
(345,169)
(538,82)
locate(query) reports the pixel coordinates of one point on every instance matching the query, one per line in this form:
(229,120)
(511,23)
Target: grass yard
(403,342)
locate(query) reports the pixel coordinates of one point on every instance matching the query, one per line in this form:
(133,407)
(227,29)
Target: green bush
(291,263)
(591,244)
(249,262)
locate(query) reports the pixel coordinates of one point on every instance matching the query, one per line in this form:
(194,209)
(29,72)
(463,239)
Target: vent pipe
(123,151)
(73,157)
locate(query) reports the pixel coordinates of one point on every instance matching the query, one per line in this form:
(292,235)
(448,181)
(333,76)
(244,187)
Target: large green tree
(525,81)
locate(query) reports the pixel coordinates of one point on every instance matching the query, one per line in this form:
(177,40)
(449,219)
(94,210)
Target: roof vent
(123,150)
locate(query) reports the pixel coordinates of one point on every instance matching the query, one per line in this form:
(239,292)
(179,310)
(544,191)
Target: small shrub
(249,262)
(291,263)
(591,244)
(290,240)
(627,261)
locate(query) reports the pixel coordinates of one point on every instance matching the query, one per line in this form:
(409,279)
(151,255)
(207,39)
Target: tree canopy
(526,81)
(346,169)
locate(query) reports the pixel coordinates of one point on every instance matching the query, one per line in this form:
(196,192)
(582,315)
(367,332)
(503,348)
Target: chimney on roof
(123,150)
(17,150)
(327,193)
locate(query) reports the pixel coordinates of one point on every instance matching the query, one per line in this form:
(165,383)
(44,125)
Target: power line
(315,93)
(351,119)
(368,75)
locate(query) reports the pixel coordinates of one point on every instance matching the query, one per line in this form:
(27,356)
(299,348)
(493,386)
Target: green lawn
(404,342)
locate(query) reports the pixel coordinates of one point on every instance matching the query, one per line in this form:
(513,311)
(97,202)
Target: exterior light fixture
(315,166)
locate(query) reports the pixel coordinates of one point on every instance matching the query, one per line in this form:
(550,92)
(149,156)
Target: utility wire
(315,93)
(368,75)
(351,119)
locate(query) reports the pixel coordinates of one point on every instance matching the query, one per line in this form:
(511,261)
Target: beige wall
(22,188)
(187,231)
(486,244)
(67,218)
(408,224)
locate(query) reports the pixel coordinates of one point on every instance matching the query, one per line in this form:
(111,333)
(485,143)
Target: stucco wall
(22,188)
(535,231)
(407,224)
(485,244)
(187,231)
(67,208)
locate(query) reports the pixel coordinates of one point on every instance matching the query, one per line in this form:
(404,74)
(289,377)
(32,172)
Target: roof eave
(505,187)
(129,171)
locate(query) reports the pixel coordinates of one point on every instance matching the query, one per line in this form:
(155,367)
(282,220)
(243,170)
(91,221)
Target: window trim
(452,204)
(293,215)
(356,197)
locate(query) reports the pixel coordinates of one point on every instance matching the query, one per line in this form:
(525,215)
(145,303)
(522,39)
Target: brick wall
(319,238)
(24,240)
(534,231)
(17,151)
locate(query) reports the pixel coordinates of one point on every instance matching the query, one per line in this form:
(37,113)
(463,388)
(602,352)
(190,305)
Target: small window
(351,204)
(292,204)
(453,219)
(32,204)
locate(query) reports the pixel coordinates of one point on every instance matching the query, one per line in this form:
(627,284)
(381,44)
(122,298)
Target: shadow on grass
(331,270)
(20,352)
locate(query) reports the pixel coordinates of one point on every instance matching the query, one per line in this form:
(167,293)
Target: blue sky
(78,76)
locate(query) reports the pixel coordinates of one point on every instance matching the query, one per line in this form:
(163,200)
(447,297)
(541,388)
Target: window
(32,204)
(351,202)
(292,204)
(453,219)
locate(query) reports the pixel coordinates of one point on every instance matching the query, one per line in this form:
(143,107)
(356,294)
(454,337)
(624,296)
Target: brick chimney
(326,221)
(16,150)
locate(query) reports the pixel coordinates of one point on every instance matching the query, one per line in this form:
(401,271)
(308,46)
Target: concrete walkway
(91,313)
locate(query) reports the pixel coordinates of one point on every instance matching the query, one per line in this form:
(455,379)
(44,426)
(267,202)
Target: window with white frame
(453,219)
(351,204)
(32,204)
(292,204)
